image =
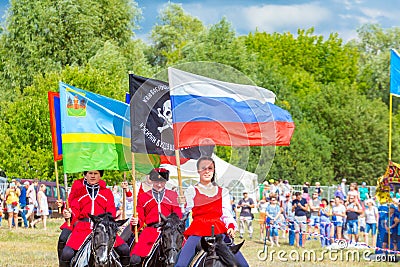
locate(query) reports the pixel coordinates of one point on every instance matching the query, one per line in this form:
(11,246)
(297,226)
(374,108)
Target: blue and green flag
(96,133)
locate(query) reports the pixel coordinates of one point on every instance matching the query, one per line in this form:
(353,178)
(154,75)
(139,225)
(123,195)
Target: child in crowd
(362,224)
(262,205)
(325,212)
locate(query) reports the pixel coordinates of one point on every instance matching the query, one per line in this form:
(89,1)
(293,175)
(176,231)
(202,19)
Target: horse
(169,244)
(215,252)
(97,250)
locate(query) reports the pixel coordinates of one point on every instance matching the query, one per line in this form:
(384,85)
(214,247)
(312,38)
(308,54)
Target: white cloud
(283,17)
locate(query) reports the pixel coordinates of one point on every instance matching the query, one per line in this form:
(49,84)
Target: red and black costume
(149,205)
(90,199)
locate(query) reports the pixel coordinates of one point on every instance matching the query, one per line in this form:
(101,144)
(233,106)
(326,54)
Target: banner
(55,125)
(227,114)
(96,133)
(151,119)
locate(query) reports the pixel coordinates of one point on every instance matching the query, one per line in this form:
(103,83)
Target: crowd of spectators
(352,215)
(26,201)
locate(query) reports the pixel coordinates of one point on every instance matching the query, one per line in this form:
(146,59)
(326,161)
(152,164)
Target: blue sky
(326,16)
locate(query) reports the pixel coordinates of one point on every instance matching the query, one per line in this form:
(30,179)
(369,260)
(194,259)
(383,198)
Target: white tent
(231,177)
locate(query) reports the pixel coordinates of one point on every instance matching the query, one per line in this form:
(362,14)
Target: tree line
(337,92)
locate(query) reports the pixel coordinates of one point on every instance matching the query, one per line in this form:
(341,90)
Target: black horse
(215,252)
(170,242)
(98,250)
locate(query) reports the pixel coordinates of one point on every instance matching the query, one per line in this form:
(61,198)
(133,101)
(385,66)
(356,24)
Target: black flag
(151,120)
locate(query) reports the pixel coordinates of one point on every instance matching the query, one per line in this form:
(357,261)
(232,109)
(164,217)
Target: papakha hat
(159,175)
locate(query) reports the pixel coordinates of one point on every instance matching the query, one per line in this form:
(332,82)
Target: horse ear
(204,244)
(235,248)
(94,218)
(163,218)
(121,222)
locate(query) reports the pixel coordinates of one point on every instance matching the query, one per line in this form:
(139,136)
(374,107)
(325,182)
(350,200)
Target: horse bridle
(164,253)
(102,244)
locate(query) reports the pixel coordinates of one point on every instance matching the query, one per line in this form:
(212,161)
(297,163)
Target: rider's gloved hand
(66,213)
(59,203)
(182,200)
(231,232)
(134,221)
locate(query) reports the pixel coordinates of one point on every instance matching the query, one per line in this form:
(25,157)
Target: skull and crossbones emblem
(166,115)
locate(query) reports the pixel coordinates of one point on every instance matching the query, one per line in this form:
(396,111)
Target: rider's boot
(65,263)
(60,247)
(125,261)
(135,260)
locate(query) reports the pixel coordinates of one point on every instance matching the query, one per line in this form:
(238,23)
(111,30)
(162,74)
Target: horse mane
(223,251)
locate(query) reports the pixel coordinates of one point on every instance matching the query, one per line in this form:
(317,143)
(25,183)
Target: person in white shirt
(371,220)
(338,214)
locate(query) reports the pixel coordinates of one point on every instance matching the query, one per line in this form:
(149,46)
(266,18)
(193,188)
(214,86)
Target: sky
(326,16)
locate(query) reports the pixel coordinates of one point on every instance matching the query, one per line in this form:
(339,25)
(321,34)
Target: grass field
(36,247)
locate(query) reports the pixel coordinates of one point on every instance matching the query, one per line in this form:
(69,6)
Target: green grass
(36,247)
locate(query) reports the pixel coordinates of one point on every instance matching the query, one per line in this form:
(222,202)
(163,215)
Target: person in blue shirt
(273,211)
(391,225)
(22,200)
(300,206)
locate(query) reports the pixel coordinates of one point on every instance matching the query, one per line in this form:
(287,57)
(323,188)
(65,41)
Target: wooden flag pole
(66,197)
(178,169)
(124,199)
(57,185)
(134,195)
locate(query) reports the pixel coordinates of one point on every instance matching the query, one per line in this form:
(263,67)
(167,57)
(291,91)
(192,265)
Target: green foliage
(374,45)
(176,29)
(42,36)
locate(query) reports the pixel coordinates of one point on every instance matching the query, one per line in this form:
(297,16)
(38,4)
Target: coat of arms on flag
(76,103)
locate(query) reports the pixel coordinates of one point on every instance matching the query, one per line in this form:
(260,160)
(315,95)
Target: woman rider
(210,206)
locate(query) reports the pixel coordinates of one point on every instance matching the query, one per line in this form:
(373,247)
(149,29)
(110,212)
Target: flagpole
(178,169)
(57,185)
(390,126)
(66,197)
(134,196)
(124,199)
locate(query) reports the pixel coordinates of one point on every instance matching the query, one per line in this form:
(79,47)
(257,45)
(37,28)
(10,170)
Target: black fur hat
(159,175)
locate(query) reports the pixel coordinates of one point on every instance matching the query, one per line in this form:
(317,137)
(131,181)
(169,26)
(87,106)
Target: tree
(176,29)
(41,36)
(374,44)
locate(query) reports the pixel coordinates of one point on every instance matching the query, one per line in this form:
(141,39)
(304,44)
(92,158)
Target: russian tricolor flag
(207,111)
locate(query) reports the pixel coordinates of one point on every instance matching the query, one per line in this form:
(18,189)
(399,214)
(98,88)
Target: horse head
(104,233)
(218,253)
(172,229)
